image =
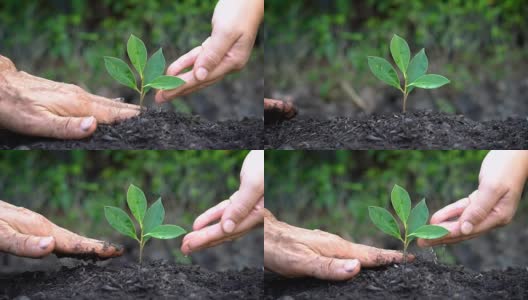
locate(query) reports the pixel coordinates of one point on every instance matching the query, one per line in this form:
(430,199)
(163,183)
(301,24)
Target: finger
(210,215)
(285,110)
(66,127)
(108,114)
(480,204)
(451,211)
(214,234)
(69,243)
(328,268)
(24,245)
(243,202)
(185,61)
(213,52)
(374,257)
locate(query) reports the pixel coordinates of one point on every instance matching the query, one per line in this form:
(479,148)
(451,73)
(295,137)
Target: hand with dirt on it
(278,110)
(297,252)
(29,234)
(502,177)
(40,107)
(236,216)
(228,49)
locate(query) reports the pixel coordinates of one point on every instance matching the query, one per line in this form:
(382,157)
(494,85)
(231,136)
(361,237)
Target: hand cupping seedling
(414,71)
(414,222)
(150,221)
(150,72)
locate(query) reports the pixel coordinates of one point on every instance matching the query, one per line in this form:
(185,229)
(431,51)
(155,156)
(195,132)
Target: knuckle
(505,219)
(493,186)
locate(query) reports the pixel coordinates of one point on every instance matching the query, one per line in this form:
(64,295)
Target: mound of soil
(153,280)
(155,130)
(414,130)
(419,280)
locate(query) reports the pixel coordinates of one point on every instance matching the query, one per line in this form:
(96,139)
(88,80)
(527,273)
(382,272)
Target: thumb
(214,50)
(242,203)
(481,202)
(25,245)
(70,127)
(327,268)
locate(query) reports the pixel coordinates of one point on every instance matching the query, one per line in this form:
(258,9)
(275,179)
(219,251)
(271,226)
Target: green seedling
(150,72)
(150,221)
(414,71)
(414,221)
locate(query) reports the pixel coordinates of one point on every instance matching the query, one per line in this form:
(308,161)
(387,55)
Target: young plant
(414,221)
(150,221)
(413,71)
(150,72)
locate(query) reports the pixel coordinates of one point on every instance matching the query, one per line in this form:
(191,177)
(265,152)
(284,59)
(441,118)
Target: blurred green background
(331,190)
(316,54)
(72,187)
(65,40)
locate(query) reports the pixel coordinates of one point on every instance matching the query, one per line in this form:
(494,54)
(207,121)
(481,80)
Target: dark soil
(419,280)
(153,280)
(155,130)
(413,130)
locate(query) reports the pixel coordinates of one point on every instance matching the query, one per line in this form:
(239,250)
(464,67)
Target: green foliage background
(72,187)
(319,42)
(332,190)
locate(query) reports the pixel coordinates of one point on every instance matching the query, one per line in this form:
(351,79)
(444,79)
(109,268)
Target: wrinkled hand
(26,233)
(501,182)
(238,215)
(276,110)
(40,107)
(297,252)
(235,27)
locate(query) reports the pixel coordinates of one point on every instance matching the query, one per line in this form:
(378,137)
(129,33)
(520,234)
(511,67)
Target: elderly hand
(40,107)
(26,233)
(297,252)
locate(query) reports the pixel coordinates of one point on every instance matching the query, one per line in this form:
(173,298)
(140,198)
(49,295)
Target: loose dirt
(419,280)
(413,130)
(155,130)
(152,280)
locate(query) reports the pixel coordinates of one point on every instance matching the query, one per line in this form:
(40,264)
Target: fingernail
(201,74)
(229,226)
(466,228)
(351,265)
(86,124)
(45,242)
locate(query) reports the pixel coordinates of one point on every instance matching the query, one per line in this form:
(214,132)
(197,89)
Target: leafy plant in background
(150,71)
(150,221)
(414,222)
(414,71)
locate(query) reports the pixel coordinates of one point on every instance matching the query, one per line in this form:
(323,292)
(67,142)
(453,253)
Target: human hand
(296,252)
(235,27)
(40,107)
(26,233)
(275,110)
(239,214)
(501,182)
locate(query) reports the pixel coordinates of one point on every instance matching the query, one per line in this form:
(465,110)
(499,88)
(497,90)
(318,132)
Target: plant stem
(141,97)
(141,251)
(405,100)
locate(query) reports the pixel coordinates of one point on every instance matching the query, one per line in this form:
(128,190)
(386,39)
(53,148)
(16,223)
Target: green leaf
(137,52)
(384,71)
(155,66)
(120,221)
(430,81)
(166,232)
(417,68)
(154,216)
(401,202)
(430,232)
(418,217)
(137,202)
(166,83)
(400,53)
(120,71)
(384,221)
